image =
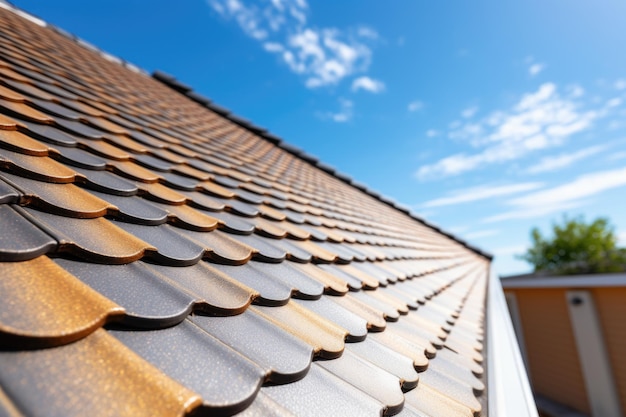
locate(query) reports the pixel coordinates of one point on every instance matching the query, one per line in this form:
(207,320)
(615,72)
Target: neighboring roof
(157,257)
(564,281)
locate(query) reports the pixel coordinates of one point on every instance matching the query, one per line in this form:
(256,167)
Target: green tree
(577,247)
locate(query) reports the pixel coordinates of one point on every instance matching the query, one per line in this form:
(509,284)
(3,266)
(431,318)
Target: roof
(542,280)
(161,256)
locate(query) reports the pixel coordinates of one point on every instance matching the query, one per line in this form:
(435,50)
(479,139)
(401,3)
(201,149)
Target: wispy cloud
(483,192)
(250,19)
(367,32)
(431,133)
(539,120)
(368,84)
(535,69)
(469,112)
(415,105)
(562,197)
(346,109)
(614,102)
(553,163)
(323,56)
(575,91)
(620,84)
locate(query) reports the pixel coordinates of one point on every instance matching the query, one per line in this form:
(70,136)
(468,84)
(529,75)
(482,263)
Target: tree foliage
(577,247)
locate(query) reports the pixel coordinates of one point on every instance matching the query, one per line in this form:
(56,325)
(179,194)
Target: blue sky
(485,117)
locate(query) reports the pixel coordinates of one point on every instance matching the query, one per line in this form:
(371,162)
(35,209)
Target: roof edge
(184,89)
(5,4)
(507,381)
(564,281)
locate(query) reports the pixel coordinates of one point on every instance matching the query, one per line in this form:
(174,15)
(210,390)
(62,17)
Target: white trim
(592,354)
(30,17)
(135,68)
(566,281)
(88,45)
(508,390)
(110,57)
(516,319)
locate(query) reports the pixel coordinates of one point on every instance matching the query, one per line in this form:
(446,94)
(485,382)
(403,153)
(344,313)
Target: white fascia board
(566,281)
(30,17)
(6,5)
(508,389)
(516,320)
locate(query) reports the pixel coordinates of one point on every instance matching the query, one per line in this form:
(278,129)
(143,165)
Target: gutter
(507,382)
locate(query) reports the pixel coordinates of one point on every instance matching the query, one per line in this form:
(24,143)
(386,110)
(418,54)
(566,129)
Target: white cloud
(614,102)
(367,32)
(620,84)
(562,197)
(368,84)
(539,120)
(273,47)
(575,91)
(346,108)
(535,69)
(469,112)
(323,56)
(552,163)
(532,212)
(250,19)
(583,186)
(531,100)
(481,193)
(416,105)
(621,238)
(431,133)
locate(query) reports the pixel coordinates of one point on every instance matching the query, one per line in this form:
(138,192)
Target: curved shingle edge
(184,89)
(188,91)
(41,22)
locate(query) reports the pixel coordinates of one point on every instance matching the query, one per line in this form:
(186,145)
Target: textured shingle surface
(157,258)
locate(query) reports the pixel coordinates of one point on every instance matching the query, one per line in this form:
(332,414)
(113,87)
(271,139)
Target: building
(573,337)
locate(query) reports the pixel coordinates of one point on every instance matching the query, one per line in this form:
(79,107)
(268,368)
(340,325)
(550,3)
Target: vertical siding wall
(553,361)
(611,308)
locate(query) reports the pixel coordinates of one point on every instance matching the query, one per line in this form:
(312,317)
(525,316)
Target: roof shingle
(159,255)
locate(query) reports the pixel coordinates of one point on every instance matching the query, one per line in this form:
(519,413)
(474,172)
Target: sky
(487,118)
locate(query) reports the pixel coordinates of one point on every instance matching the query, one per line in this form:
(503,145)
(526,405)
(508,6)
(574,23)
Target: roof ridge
(6,4)
(186,90)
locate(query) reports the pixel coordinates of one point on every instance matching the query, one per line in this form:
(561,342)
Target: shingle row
(157,258)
